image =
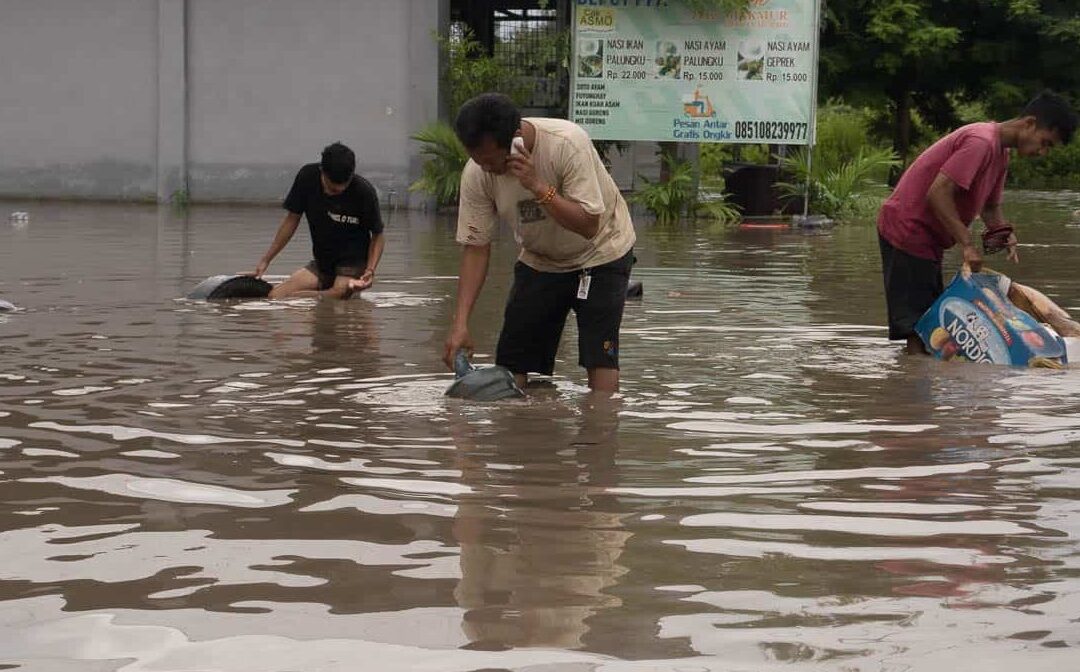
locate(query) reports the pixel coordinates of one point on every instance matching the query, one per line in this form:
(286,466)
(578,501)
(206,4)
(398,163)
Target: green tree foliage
(923,59)
(1060,169)
(469,71)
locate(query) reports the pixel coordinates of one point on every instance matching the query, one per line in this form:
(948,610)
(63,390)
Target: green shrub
(1060,169)
(842,188)
(842,131)
(669,201)
(180,199)
(469,72)
(720,210)
(849,167)
(444,160)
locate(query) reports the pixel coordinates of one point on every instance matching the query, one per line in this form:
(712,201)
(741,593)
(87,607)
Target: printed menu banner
(658,70)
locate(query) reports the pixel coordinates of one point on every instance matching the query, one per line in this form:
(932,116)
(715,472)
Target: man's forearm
(944,208)
(568,214)
(378,242)
(474,265)
(993,216)
(282,237)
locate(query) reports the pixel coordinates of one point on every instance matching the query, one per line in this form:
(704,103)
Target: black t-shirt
(341,226)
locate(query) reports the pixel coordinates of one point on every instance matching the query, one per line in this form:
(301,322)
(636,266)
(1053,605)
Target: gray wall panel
(78,98)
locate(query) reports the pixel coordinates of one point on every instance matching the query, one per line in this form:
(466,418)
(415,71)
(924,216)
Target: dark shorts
(326,279)
(536,312)
(912,284)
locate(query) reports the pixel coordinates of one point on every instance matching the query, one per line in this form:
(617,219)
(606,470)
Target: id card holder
(583,285)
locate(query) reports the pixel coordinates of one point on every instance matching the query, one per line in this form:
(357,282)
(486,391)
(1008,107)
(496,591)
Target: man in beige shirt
(544,178)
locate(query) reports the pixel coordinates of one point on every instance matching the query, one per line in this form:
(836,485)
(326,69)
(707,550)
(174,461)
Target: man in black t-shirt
(342,211)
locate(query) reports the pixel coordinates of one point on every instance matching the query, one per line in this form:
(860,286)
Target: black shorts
(912,284)
(326,279)
(536,313)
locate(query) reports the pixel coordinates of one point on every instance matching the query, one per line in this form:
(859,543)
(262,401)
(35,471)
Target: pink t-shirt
(972,156)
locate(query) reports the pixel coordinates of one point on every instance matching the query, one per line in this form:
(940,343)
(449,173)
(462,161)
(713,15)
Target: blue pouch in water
(491,383)
(973,320)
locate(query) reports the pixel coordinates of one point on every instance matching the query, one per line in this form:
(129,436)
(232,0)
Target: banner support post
(813,109)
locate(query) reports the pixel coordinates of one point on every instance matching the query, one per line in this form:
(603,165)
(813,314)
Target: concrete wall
(141,98)
(78,98)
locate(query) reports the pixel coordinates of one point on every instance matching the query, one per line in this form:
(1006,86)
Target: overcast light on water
(281,486)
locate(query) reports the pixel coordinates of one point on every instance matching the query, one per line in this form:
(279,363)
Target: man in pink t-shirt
(958,178)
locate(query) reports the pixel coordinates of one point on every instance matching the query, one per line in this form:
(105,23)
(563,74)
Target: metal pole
(809,181)
(813,107)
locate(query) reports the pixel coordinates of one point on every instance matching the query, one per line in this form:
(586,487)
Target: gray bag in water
(218,287)
(491,383)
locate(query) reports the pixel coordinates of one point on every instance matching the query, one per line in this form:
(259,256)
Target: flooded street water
(265,487)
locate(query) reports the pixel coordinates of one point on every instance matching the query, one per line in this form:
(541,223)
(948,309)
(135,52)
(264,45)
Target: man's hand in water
(457,339)
(363,282)
(973,258)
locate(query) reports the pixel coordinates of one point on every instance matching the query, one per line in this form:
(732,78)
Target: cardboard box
(975,321)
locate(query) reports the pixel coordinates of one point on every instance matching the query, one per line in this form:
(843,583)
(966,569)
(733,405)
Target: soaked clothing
(554,261)
(972,157)
(341,226)
(565,158)
(912,284)
(537,308)
(326,280)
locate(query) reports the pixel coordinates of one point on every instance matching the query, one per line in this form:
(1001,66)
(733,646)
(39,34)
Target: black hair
(1053,112)
(338,163)
(487,115)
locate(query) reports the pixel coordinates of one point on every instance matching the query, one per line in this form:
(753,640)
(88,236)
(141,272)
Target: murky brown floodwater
(282,487)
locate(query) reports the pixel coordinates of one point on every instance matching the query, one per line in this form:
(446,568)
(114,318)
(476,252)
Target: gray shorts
(326,280)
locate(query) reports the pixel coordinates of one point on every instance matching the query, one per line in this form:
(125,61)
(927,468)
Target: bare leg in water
(915,346)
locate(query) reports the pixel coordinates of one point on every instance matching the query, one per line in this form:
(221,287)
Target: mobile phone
(517,146)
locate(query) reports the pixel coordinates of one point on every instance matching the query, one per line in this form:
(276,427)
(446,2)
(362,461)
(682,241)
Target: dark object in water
(5,306)
(811,221)
(491,383)
(996,240)
(634,290)
(218,287)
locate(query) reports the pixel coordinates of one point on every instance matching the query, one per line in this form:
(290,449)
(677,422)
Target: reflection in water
(282,485)
(540,539)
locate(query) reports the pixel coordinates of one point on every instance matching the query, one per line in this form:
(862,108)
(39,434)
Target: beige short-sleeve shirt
(564,157)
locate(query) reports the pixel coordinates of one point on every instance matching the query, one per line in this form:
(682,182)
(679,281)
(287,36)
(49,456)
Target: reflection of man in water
(342,211)
(540,541)
(575,233)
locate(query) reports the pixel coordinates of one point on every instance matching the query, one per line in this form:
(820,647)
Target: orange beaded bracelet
(548,196)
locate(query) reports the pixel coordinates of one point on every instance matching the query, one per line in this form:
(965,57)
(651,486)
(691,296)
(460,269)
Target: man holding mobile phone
(544,178)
